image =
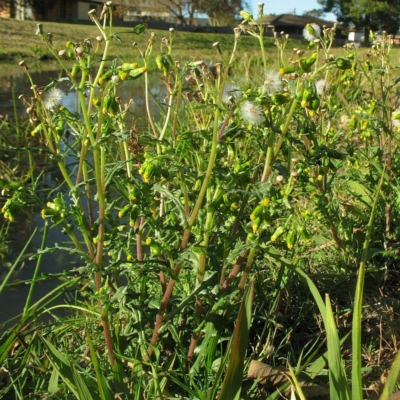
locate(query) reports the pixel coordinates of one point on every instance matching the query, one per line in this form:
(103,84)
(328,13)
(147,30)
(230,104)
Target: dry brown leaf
(311,390)
(395,396)
(271,378)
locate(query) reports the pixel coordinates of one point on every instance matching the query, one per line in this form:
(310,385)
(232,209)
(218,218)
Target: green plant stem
(192,219)
(10,272)
(356,374)
(186,235)
(168,116)
(247,268)
(36,272)
(269,162)
(206,181)
(261,41)
(200,274)
(147,101)
(15,111)
(176,114)
(235,270)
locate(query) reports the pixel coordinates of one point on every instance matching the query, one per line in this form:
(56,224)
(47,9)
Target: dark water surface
(13,82)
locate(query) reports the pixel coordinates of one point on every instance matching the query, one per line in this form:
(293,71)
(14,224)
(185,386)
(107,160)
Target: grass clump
(206,236)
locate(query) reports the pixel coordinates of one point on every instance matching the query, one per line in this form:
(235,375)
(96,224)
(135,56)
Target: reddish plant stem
(162,281)
(235,270)
(159,318)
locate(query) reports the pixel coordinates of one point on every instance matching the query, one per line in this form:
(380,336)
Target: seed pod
(96,101)
(265,202)
(368,65)
(279,98)
(137,72)
(305,98)
(303,232)
(60,127)
(123,75)
(124,210)
(287,70)
(353,122)
(160,61)
(36,130)
(128,66)
(155,249)
(105,77)
(255,225)
(75,69)
(306,64)
(314,104)
(342,63)
(134,194)
(110,105)
(291,239)
(311,30)
(256,212)
(138,29)
(278,232)
(246,15)
(372,108)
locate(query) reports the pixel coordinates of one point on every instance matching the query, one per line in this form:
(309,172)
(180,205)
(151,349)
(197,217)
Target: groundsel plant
(194,225)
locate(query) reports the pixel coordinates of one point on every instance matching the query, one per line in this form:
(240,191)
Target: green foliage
(202,235)
(367,15)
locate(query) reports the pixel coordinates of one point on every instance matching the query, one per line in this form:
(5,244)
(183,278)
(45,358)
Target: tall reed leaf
(338,387)
(391,380)
(104,391)
(232,383)
(10,272)
(67,372)
(358,300)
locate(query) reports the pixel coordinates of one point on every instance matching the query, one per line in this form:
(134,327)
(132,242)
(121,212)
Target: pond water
(12,85)
(16,83)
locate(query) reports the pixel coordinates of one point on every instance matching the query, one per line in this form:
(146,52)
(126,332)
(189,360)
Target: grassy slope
(187,45)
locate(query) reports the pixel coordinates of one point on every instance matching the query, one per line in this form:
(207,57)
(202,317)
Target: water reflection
(12,300)
(17,84)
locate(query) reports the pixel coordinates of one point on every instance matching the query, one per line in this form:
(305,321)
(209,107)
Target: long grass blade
(36,272)
(296,384)
(232,384)
(104,391)
(314,291)
(10,272)
(83,389)
(358,300)
(61,364)
(218,376)
(392,379)
(338,387)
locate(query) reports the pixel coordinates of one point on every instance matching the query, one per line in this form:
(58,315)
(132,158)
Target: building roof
(293,20)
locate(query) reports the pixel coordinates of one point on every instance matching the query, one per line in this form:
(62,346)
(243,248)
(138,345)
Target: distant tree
(366,14)
(316,12)
(221,12)
(183,10)
(218,11)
